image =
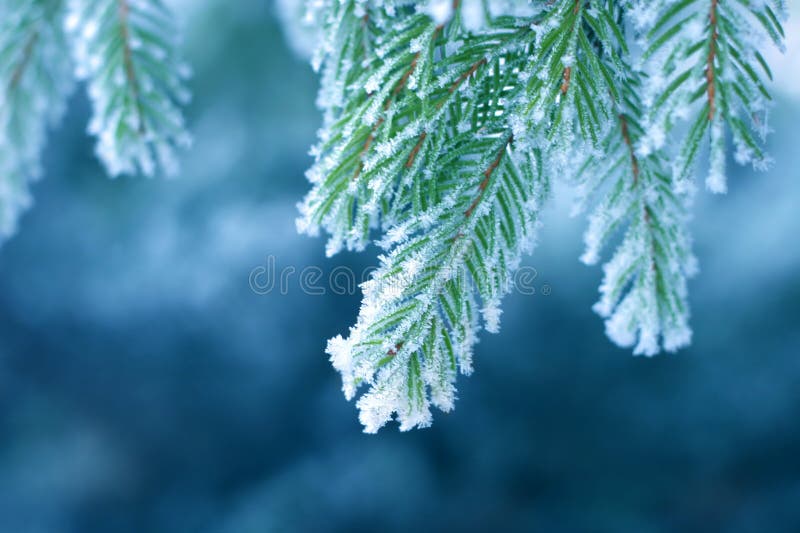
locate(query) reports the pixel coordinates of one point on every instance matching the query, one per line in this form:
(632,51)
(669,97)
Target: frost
(491,316)
(716,182)
(340,352)
(439,10)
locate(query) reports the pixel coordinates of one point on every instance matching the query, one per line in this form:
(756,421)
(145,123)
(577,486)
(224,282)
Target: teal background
(145,388)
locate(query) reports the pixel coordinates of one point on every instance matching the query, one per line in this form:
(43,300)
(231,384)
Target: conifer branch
(35,80)
(136,87)
(126,50)
(453,121)
(711,48)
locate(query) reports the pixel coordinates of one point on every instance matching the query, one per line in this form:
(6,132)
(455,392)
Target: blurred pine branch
(127,53)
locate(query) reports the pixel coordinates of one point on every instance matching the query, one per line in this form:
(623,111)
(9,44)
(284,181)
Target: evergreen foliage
(125,50)
(34,83)
(445,124)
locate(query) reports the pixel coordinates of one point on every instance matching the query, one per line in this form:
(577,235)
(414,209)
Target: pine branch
(34,83)
(452,228)
(420,314)
(570,74)
(434,117)
(126,51)
(374,146)
(705,65)
(644,289)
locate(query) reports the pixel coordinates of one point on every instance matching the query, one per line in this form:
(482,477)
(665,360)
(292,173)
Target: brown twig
(386,105)
(475,66)
(393,351)
(127,58)
(627,138)
(398,88)
(416,149)
(565,83)
(635,170)
(453,87)
(27,54)
(712,52)
(487,174)
(568,70)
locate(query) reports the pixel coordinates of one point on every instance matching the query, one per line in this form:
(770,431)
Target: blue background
(144,387)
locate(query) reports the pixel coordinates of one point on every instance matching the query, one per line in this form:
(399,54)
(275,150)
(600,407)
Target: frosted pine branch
(126,52)
(644,290)
(35,80)
(705,66)
(444,123)
(420,317)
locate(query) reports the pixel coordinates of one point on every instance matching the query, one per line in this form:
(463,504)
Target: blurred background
(144,387)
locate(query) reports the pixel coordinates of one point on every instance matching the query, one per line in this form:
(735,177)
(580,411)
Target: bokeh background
(144,387)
